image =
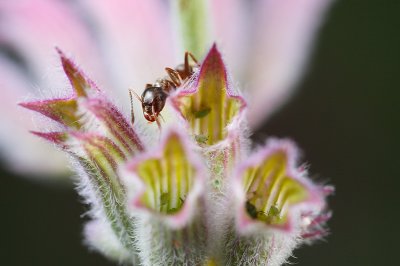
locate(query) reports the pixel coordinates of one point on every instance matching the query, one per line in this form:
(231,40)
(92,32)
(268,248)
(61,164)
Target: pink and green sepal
(208,102)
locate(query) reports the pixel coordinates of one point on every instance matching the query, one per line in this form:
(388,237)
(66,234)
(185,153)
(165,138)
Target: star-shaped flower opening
(208,102)
(272,189)
(168,181)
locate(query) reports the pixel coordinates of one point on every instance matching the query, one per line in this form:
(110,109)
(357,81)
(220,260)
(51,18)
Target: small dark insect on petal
(251,210)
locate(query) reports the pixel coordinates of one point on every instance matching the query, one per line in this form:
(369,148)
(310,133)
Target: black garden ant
(155,95)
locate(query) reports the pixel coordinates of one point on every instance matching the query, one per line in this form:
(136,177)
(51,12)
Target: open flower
(126,44)
(192,193)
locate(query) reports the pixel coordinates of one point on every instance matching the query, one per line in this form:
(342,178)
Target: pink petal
(232,35)
(21,150)
(137,40)
(284,33)
(34,28)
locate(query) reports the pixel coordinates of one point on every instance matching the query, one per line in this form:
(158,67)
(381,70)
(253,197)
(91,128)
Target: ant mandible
(155,95)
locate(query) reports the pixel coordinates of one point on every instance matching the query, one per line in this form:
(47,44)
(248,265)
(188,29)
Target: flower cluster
(193,193)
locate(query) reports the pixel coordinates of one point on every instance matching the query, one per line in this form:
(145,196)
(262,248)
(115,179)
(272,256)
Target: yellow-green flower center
(168,179)
(270,191)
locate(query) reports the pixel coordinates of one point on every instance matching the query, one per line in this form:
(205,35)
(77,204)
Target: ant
(155,95)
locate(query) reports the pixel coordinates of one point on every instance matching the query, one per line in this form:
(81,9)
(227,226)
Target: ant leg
(136,95)
(169,85)
(162,118)
(174,75)
(191,56)
(158,124)
(187,66)
(155,114)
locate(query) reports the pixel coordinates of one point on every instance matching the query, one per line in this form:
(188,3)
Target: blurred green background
(345,117)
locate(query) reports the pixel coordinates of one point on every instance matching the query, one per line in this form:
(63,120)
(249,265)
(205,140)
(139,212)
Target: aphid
(201,139)
(155,95)
(274,211)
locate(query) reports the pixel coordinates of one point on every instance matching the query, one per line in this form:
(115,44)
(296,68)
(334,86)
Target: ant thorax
(149,95)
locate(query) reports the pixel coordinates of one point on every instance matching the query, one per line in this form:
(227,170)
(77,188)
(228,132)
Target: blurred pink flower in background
(126,44)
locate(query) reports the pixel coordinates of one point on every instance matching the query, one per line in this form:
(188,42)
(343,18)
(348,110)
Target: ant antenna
(136,95)
(131,99)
